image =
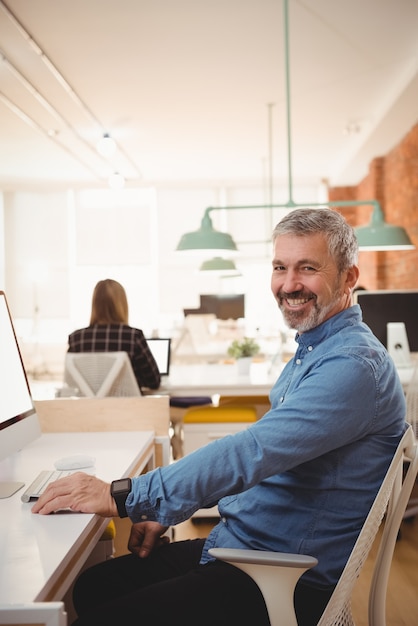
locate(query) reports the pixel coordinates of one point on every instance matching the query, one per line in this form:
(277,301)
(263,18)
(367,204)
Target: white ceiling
(184,86)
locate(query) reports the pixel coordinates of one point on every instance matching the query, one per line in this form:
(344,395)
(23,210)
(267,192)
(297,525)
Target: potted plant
(243,350)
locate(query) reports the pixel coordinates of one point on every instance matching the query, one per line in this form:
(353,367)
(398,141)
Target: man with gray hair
(301,479)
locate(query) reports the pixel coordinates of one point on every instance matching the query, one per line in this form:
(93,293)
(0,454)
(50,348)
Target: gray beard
(299,321)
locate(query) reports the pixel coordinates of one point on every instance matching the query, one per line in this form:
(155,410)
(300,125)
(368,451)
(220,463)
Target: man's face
(306,282)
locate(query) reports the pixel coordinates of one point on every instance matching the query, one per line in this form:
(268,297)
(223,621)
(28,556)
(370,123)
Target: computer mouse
(78,461)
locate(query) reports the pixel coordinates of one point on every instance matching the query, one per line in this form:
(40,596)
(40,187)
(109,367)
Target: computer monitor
(19,424)
(224,307)
(161,351)
(384,306)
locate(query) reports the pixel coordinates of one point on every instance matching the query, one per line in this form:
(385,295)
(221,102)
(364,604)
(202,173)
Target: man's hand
(145,536)
(79,492)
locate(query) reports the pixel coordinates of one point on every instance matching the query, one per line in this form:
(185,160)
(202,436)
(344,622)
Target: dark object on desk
(225,307)
(384,306)
(185,402)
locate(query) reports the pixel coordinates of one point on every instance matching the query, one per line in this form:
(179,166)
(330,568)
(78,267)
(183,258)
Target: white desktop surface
(214,378)
(220,378)
(210,379)
(41,555)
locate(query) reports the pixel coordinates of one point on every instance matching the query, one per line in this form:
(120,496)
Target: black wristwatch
(119,490)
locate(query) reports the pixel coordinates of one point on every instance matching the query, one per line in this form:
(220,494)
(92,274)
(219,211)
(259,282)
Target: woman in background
(109,331)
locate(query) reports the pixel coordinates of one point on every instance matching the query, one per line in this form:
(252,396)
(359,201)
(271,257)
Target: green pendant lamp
(380,236)
(377,235)
(208,240)
(218,265)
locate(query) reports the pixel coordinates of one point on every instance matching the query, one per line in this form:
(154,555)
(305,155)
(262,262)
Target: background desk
(41,555)
(223,379)
(211,379)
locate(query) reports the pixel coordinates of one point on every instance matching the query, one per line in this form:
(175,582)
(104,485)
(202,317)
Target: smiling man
(314,273)
(301,479)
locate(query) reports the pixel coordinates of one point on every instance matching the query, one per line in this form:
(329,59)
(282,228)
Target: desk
(211,379)
(41,555)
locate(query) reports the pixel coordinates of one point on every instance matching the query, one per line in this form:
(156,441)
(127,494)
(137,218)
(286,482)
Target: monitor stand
(398,345)
(7,489)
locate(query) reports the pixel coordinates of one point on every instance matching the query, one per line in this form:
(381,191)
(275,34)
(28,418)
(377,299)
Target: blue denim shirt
(302,478)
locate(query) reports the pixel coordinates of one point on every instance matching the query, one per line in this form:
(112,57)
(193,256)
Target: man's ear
(352,278)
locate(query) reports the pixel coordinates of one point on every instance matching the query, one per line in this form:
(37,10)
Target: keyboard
(41,482)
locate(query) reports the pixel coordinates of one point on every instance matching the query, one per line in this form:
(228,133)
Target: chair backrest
(412,418)
(100,374)
(412,401)
(391,499)
(31,613)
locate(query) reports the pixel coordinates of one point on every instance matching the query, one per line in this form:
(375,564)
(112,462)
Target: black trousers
(170,588)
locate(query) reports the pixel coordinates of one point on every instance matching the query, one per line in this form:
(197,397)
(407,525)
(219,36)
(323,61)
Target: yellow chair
(221,414)
(260,402)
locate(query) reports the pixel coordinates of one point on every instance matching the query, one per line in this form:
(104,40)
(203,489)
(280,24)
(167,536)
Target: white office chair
(32,613)
(412,418)
(412,401)
(276,574)
(100,374)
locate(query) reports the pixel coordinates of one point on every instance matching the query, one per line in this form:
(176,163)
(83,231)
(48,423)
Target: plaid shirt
(123,338)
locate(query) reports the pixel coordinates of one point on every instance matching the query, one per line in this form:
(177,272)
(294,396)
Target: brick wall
(393,181)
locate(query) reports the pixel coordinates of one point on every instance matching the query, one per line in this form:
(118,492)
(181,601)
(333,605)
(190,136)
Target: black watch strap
(119,490)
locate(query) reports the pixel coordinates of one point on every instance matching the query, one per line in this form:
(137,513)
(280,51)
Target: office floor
(402,598)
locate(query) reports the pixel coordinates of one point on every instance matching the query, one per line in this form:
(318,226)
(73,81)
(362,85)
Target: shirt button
(298,361)
(281,399)
(310,348)
(224,520)
(144,516)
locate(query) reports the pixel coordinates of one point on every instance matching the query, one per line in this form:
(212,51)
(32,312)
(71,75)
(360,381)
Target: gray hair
(340,236)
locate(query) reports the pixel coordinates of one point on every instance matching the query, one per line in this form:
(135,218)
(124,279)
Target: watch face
(119,486)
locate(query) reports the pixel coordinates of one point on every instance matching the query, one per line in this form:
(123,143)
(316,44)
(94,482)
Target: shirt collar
(315,336)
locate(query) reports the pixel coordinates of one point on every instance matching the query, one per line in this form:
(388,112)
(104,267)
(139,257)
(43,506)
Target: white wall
(58,244)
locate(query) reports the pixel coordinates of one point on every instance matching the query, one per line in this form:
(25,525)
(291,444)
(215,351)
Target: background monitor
(19,424)
(384,306)
(161,351)
(224,307)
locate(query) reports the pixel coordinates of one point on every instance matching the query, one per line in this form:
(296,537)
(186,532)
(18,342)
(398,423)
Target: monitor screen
(19,423)
(225,307)
(161,349)
(381,307)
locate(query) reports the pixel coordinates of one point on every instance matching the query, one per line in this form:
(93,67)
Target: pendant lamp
(377,235)
(221,266)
